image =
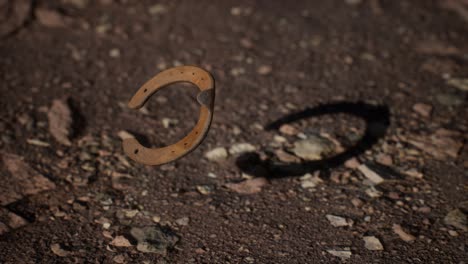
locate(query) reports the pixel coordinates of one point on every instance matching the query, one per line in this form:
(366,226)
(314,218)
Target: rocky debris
(310,181)
(249,186)
(342,254)
(459,83)
(154,239)
(60,121)
(457,219)
(338,221)
(443,144)
(217,154)
(14,15)
(240,148)
(424,110)
(372,243)
(370,174)
(402,234)
(313,148)
(50,18)
(24,180)
(59,251)
(120,241)
(183,221)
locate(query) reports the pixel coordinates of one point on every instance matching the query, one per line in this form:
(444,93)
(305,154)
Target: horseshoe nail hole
(173,151)
(145,90)
(181,72)
(202,79)
(193,73)
(196,132)
(135,151)
(185,144)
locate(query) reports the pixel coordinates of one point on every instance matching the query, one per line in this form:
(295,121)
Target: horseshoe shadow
(376,117)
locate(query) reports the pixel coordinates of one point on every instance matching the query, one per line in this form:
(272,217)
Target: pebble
(357,202)
(372,243)
(124,135)
(60,121)
(312,148)
(286,157)
(459,83)
(424,110)
(402,234)
(370,174)
(310,181)
(153,239)
(352,163)
(59,251)
(114,53)
(217,154)
(373,193)
(264,69)
(288,130)
(183,221)
(343,254)
(120,241)
(249,186)
(338,221)
(169,122)
(49,18)
(240,148)
(157,9)
(457,219)
(449,99)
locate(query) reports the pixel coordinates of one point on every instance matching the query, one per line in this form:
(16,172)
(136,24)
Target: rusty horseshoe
(157,156)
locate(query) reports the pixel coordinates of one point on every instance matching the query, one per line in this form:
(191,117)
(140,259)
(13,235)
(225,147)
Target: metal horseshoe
(195,75)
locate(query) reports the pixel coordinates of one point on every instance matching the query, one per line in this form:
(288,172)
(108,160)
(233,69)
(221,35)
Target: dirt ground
(339,132)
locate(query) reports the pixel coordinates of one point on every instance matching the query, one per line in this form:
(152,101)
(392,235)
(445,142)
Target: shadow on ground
(377,118)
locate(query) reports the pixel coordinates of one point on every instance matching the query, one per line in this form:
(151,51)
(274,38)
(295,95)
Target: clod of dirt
(14,15)
(372,243)
(402,234)
(313,148)
(24,180)
(154,239)
(60,121)
(250,186)
(457,219)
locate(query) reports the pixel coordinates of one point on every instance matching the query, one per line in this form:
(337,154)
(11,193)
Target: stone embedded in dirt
(443,144)
(370,174)
(124,135)
(59,251)
(424,110)
(313,148)
(249,186)
(459,83)
(338,221)
(183,221)
(264,69)
(203,189)
(50,18)
(24,180)
(154,239)
(343,254)
(120,241)
(60,121)
(457,219)
(402,234)
(37,142)
(217,154)
(240,148)
(372,243)
(288,130)
(310,181)
(414,173)
(14,14)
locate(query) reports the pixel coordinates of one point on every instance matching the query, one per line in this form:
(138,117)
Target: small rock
(286,157)
(169,122)
(309,181)
(357,202)
(60,121)
(249,186)
(16,221)
(288,130)
(343,254)
(459,83)
(121,241)
(402,234)
(183,221)
(50,18)
(217,154)
(338,221)
(264,69)
(312,148)
(114,53)
(424,110)
(124,135)
(373,193)
(3,228)
(154,239)
(37,142)
(370,174)
(204,189)
(384,159)
(130,213)
(457,219)
(157,9)
(240,148)
(352,163)
(453,233)
(120,259)
(449,99)
(57,250)
(372,243)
